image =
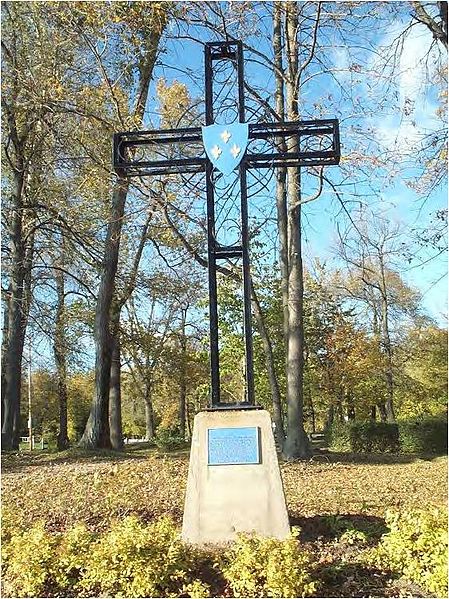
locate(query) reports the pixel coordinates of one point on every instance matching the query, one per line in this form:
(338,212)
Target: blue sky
(372,120)
(377,114)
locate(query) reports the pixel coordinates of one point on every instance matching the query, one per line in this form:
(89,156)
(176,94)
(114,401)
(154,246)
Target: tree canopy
(104,278)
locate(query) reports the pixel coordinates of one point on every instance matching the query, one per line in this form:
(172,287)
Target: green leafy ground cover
(339,501)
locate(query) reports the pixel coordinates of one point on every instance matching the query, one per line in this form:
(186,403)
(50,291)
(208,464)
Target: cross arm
(172,151)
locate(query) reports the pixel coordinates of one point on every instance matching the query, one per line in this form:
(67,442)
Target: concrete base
(226,499)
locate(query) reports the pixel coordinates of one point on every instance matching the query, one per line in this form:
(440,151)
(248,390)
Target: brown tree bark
(149,414)
(386,343)
(438,29)
(12,358)
(281,173)
(97,431)
(60,352)
(115,391)
(297,443)
(183,374)
(5,343)
(272,377)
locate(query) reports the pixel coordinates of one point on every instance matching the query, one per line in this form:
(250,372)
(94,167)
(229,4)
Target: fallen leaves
(325,496)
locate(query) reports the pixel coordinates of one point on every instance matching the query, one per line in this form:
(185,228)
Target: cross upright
(317,144)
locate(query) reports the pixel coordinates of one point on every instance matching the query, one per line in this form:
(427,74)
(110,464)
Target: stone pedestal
(225,498)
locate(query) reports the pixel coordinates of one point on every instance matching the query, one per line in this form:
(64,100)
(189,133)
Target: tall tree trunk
(97,431)
(386,345)
(188,421)
(149,414)
(115,390)
(59,352)
(382,412)
(12,359)
(281,173)
(312,411)
(182,375)
(5,343)
(115,393)
(297,443)
(271,370)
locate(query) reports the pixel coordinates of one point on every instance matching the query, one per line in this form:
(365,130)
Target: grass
(326,496)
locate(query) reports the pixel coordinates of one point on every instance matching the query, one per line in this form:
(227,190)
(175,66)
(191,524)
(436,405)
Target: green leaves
(416,546)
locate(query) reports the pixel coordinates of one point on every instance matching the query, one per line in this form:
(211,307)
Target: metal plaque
(233,446)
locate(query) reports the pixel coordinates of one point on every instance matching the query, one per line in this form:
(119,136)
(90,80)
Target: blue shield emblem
(225,145)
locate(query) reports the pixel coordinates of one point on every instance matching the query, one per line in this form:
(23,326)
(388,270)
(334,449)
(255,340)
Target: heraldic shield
(225,145)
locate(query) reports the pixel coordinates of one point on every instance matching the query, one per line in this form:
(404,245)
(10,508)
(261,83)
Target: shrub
(267,567)
(70,559)
(338,437)
(407,436)
(131,560)
(27,562)
(424,435)
(352,536)
(360,437)
(137,560)
(416,546)
(169,439)
(38,563)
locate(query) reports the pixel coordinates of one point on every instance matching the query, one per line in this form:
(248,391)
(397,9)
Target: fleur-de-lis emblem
(225,136)
(225,145)
(216,151)
(235,150)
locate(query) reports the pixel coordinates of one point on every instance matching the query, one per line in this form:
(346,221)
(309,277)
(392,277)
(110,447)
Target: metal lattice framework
(141,153)
(181,151)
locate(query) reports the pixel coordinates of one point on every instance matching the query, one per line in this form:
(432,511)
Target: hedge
(406,436)
(429,436)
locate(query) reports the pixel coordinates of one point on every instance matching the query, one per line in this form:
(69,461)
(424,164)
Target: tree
(153,20)
(34,59)
(145,348)
(436,23)
(60,354)
(370,254)
(421,361)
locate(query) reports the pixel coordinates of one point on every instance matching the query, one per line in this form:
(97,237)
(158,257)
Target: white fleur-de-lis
(216,151)
(225,136)
(235,150)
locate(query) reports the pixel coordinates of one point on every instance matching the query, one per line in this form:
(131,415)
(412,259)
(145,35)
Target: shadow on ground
(341,579)
(326,456)
(17,461)
(338,543)
(332,526)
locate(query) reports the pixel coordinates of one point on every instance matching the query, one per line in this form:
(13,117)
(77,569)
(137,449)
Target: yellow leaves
(141,17)
(349,488)
(264,567)
(416,546)
(174,102)
(134,555)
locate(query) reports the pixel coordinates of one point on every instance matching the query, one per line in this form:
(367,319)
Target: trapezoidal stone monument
(234,484)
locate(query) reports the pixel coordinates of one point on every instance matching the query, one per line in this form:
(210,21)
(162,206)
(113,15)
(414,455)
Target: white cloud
(403,131)
(413,64)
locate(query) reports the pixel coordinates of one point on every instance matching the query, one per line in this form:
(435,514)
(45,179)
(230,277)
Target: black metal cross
(312,136)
